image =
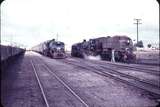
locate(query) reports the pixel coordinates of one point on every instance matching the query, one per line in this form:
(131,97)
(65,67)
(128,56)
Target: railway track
(130,80)
(113,71)
(140,68)
(40,85)
(54,75)
(140,76)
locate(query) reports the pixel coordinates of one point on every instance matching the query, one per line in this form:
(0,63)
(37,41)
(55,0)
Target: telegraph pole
(137,23)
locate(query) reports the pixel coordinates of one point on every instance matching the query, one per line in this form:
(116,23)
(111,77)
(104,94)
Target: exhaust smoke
(98,57)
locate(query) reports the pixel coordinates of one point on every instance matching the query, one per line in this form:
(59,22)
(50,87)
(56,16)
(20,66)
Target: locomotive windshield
(56,45)
(60,44)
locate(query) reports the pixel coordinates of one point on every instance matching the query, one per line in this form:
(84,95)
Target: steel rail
(62,82)
(131,77)
(98,71)
(124,74)
(151,71)
(40,85)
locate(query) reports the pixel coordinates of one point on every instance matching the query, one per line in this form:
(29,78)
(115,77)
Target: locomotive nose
(58,48)
(128,50)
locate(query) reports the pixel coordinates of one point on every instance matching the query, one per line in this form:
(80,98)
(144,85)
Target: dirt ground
(19,86)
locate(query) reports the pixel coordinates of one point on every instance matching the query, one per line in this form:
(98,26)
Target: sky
(29,22)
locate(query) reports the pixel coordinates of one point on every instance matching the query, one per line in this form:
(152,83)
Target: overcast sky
(30,22)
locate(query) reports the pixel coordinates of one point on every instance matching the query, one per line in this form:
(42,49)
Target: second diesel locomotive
(51,48)
(105,47)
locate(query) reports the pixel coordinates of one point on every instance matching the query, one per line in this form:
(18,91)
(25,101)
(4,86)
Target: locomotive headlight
(58,48)
(128,41)
(127,49)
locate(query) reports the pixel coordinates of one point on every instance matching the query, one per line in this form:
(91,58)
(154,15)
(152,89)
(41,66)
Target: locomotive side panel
(111,43)
(99,44)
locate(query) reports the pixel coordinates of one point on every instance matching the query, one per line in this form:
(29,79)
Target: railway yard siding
(70,82)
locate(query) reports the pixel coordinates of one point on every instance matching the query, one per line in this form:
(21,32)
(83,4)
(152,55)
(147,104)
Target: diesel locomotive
(121,47)
(51,48)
